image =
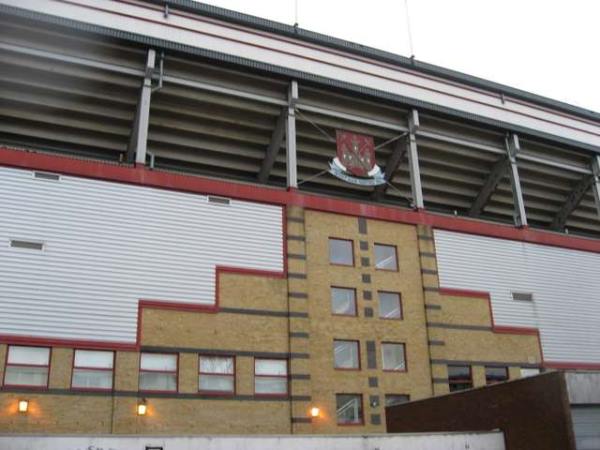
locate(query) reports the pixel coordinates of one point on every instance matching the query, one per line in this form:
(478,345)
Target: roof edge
(271,26)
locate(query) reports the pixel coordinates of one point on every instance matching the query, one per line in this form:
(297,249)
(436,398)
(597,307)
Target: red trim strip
(464,293)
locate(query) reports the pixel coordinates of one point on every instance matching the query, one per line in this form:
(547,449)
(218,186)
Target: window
(346,354)
(393,356)
(270,376)
(93,369)
(459,378)
(390,305)
(385,257)
(216,374)
(27,366)
(341,252)
(343,301)
(158,372)
(495,374)
(396,399)
(529,371)
(348,408)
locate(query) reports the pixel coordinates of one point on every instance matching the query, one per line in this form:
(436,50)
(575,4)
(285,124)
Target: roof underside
(54,96)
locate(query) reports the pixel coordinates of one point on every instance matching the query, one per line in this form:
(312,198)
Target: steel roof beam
(392,164)
(512,149)
(274,146)
(498,172)
(573,200)
(136,150)
(413,160)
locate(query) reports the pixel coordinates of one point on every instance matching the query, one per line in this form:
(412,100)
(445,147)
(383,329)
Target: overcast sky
(548,47)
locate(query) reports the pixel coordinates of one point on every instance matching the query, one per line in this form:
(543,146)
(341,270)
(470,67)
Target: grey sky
(548,47)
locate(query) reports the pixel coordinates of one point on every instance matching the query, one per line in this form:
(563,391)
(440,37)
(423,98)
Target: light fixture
(23,406)
(142,408)
(315,412)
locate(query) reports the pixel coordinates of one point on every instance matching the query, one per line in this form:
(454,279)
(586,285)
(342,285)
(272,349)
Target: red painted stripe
(464,293)
(574,365)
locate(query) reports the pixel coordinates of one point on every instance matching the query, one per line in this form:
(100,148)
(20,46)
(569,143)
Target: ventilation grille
(219,200)
(30,245)
(46,176)
(523,296)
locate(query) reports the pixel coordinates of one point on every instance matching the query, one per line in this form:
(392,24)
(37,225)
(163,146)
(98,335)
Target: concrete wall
(441,441)
(532,412)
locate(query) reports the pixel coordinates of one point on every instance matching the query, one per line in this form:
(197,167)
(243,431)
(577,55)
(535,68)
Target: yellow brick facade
(288,318)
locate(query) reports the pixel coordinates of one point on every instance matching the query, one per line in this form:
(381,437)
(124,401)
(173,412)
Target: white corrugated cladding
(565,286)
(107,245)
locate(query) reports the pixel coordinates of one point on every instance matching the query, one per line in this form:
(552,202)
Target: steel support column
(136,150)
(290,137)
(512,148)
(413,160)
(596,182)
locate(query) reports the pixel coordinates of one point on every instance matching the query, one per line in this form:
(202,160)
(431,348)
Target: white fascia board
(238,41)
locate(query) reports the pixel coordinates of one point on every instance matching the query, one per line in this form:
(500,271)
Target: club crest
(355,160)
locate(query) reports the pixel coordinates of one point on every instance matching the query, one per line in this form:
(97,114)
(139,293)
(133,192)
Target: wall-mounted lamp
(142,408)
(23,406)
(315,412)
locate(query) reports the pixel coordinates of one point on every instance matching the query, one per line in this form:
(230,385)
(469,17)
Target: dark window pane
(496,374)
(396,399)
(459,378)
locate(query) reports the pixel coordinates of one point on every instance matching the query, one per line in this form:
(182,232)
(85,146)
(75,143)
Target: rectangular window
(343,301)
(27,366)
(496,374)
(341,252)
(385,257)
(270,376)
(459,378)
(216,374)
(390,305)
(394,357)
(93,369)
(349,409)
(396,399)
(346,354)
(158,372)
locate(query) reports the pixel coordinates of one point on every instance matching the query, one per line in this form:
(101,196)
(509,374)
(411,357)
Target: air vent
(30,245)
(523,296)
(219,200)
(46,176)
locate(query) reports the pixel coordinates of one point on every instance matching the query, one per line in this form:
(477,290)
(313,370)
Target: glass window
(27,366)
(396,399)
(459,378)
(341,252)
(393,356)
(346,354)
(343,301)
(270,376)
(390,305)
(158,372)
(529,371)
(93,369)
(496,374)
(385,257)
(348,409)
(216,374)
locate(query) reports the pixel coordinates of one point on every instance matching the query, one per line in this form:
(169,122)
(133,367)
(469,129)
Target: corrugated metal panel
(564,283)
(586,427)
(107,245)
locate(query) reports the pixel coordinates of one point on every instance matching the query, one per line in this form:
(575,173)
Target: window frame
(399,294)
(331,301)
(488,382)
(357,342)
(462,380)
(359,423)
(385,396)
(232,375)
(329,239)
(395,247)
(160,391)
(27,386)
(73,367)
(286,377)
(403,344)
